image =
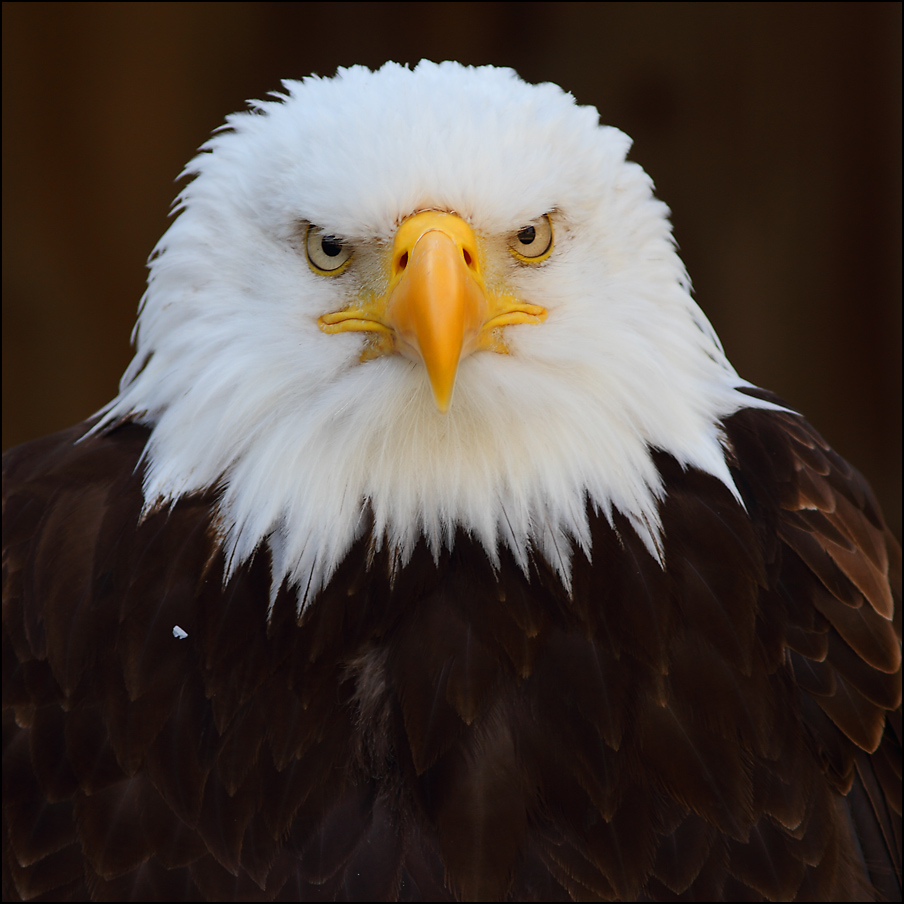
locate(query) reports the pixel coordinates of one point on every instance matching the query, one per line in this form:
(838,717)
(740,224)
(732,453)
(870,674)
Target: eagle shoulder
(835,589)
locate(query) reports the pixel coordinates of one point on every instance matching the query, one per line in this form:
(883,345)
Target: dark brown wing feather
(727,728)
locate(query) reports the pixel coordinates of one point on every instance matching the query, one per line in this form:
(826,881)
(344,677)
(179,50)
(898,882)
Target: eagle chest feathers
(433,550)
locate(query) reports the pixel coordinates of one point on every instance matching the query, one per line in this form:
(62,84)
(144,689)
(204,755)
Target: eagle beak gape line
(436,308)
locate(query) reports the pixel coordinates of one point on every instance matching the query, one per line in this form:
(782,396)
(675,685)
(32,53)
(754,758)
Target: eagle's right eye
(327,255)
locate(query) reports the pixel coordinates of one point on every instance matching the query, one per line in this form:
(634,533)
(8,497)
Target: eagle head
(417,301)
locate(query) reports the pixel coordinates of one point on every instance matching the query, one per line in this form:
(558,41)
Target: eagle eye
(533,243)
(327,255)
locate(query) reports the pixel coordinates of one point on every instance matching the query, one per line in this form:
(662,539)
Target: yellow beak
(436,308)
(437,299)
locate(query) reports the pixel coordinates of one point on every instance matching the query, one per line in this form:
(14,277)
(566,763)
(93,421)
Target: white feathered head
(438,296)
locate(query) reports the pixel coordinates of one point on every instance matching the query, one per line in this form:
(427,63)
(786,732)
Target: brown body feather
(727,728)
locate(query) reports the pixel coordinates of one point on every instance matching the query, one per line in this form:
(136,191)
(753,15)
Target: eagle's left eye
(327,254)
(533,243)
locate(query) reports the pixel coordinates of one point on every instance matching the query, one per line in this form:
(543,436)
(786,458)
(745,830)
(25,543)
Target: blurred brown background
(772,130)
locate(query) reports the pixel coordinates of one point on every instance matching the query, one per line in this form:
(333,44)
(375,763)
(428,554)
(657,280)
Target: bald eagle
(433,550)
